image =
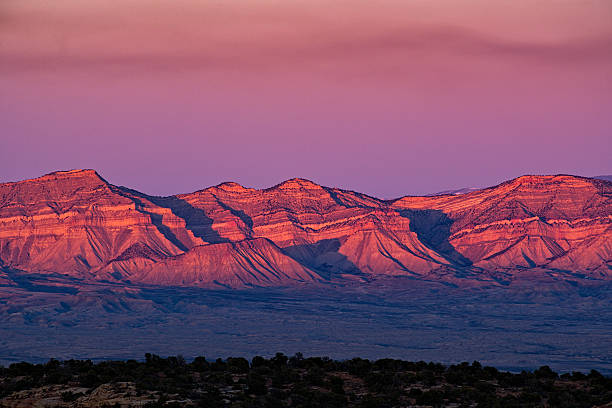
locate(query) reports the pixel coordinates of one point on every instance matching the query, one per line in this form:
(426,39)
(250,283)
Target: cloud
(342,51)
(300,36)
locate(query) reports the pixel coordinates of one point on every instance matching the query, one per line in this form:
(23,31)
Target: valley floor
(568,328)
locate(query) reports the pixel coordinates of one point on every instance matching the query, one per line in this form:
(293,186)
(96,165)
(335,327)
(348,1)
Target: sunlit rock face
(333,231)
(257,262)
(556,222)
(75,223)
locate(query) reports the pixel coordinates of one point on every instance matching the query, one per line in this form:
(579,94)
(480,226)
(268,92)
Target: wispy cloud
(273,36)
(412,47)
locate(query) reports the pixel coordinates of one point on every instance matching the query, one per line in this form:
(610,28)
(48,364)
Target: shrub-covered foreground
(295,381)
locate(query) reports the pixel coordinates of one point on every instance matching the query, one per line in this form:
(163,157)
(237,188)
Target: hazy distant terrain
(568,328)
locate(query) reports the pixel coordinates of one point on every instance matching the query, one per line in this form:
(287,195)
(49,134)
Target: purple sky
(393,99)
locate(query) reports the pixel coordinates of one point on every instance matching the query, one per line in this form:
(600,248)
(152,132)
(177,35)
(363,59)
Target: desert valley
(516,275)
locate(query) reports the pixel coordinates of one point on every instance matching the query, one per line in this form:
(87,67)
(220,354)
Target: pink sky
(389,97)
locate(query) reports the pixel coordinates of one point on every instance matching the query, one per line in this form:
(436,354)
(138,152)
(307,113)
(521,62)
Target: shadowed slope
(369,236)
(560,222)
(246,263)
(76,223)
(72,222)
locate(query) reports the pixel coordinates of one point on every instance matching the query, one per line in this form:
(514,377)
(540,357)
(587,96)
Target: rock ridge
(77,224)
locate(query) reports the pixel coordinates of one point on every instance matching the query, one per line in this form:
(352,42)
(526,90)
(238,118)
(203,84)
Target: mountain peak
(74,173)
(85,177)
(458,191)
(233,187)
(53,187)
(533,180)
(297,183)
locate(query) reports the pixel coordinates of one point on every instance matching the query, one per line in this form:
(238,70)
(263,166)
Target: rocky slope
(562,223)
(75,223)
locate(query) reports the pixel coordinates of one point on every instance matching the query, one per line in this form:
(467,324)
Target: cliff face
(76,223)
(333,231)
(554,222)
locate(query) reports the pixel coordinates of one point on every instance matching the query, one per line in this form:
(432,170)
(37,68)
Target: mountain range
(75,224)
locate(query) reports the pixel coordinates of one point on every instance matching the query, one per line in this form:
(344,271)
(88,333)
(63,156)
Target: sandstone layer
(77,224)
(563,223)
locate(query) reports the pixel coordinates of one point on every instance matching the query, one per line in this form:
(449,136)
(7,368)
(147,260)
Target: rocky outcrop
(75,223)
(250,262)
(334,231)
(557,222)
(118,394)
